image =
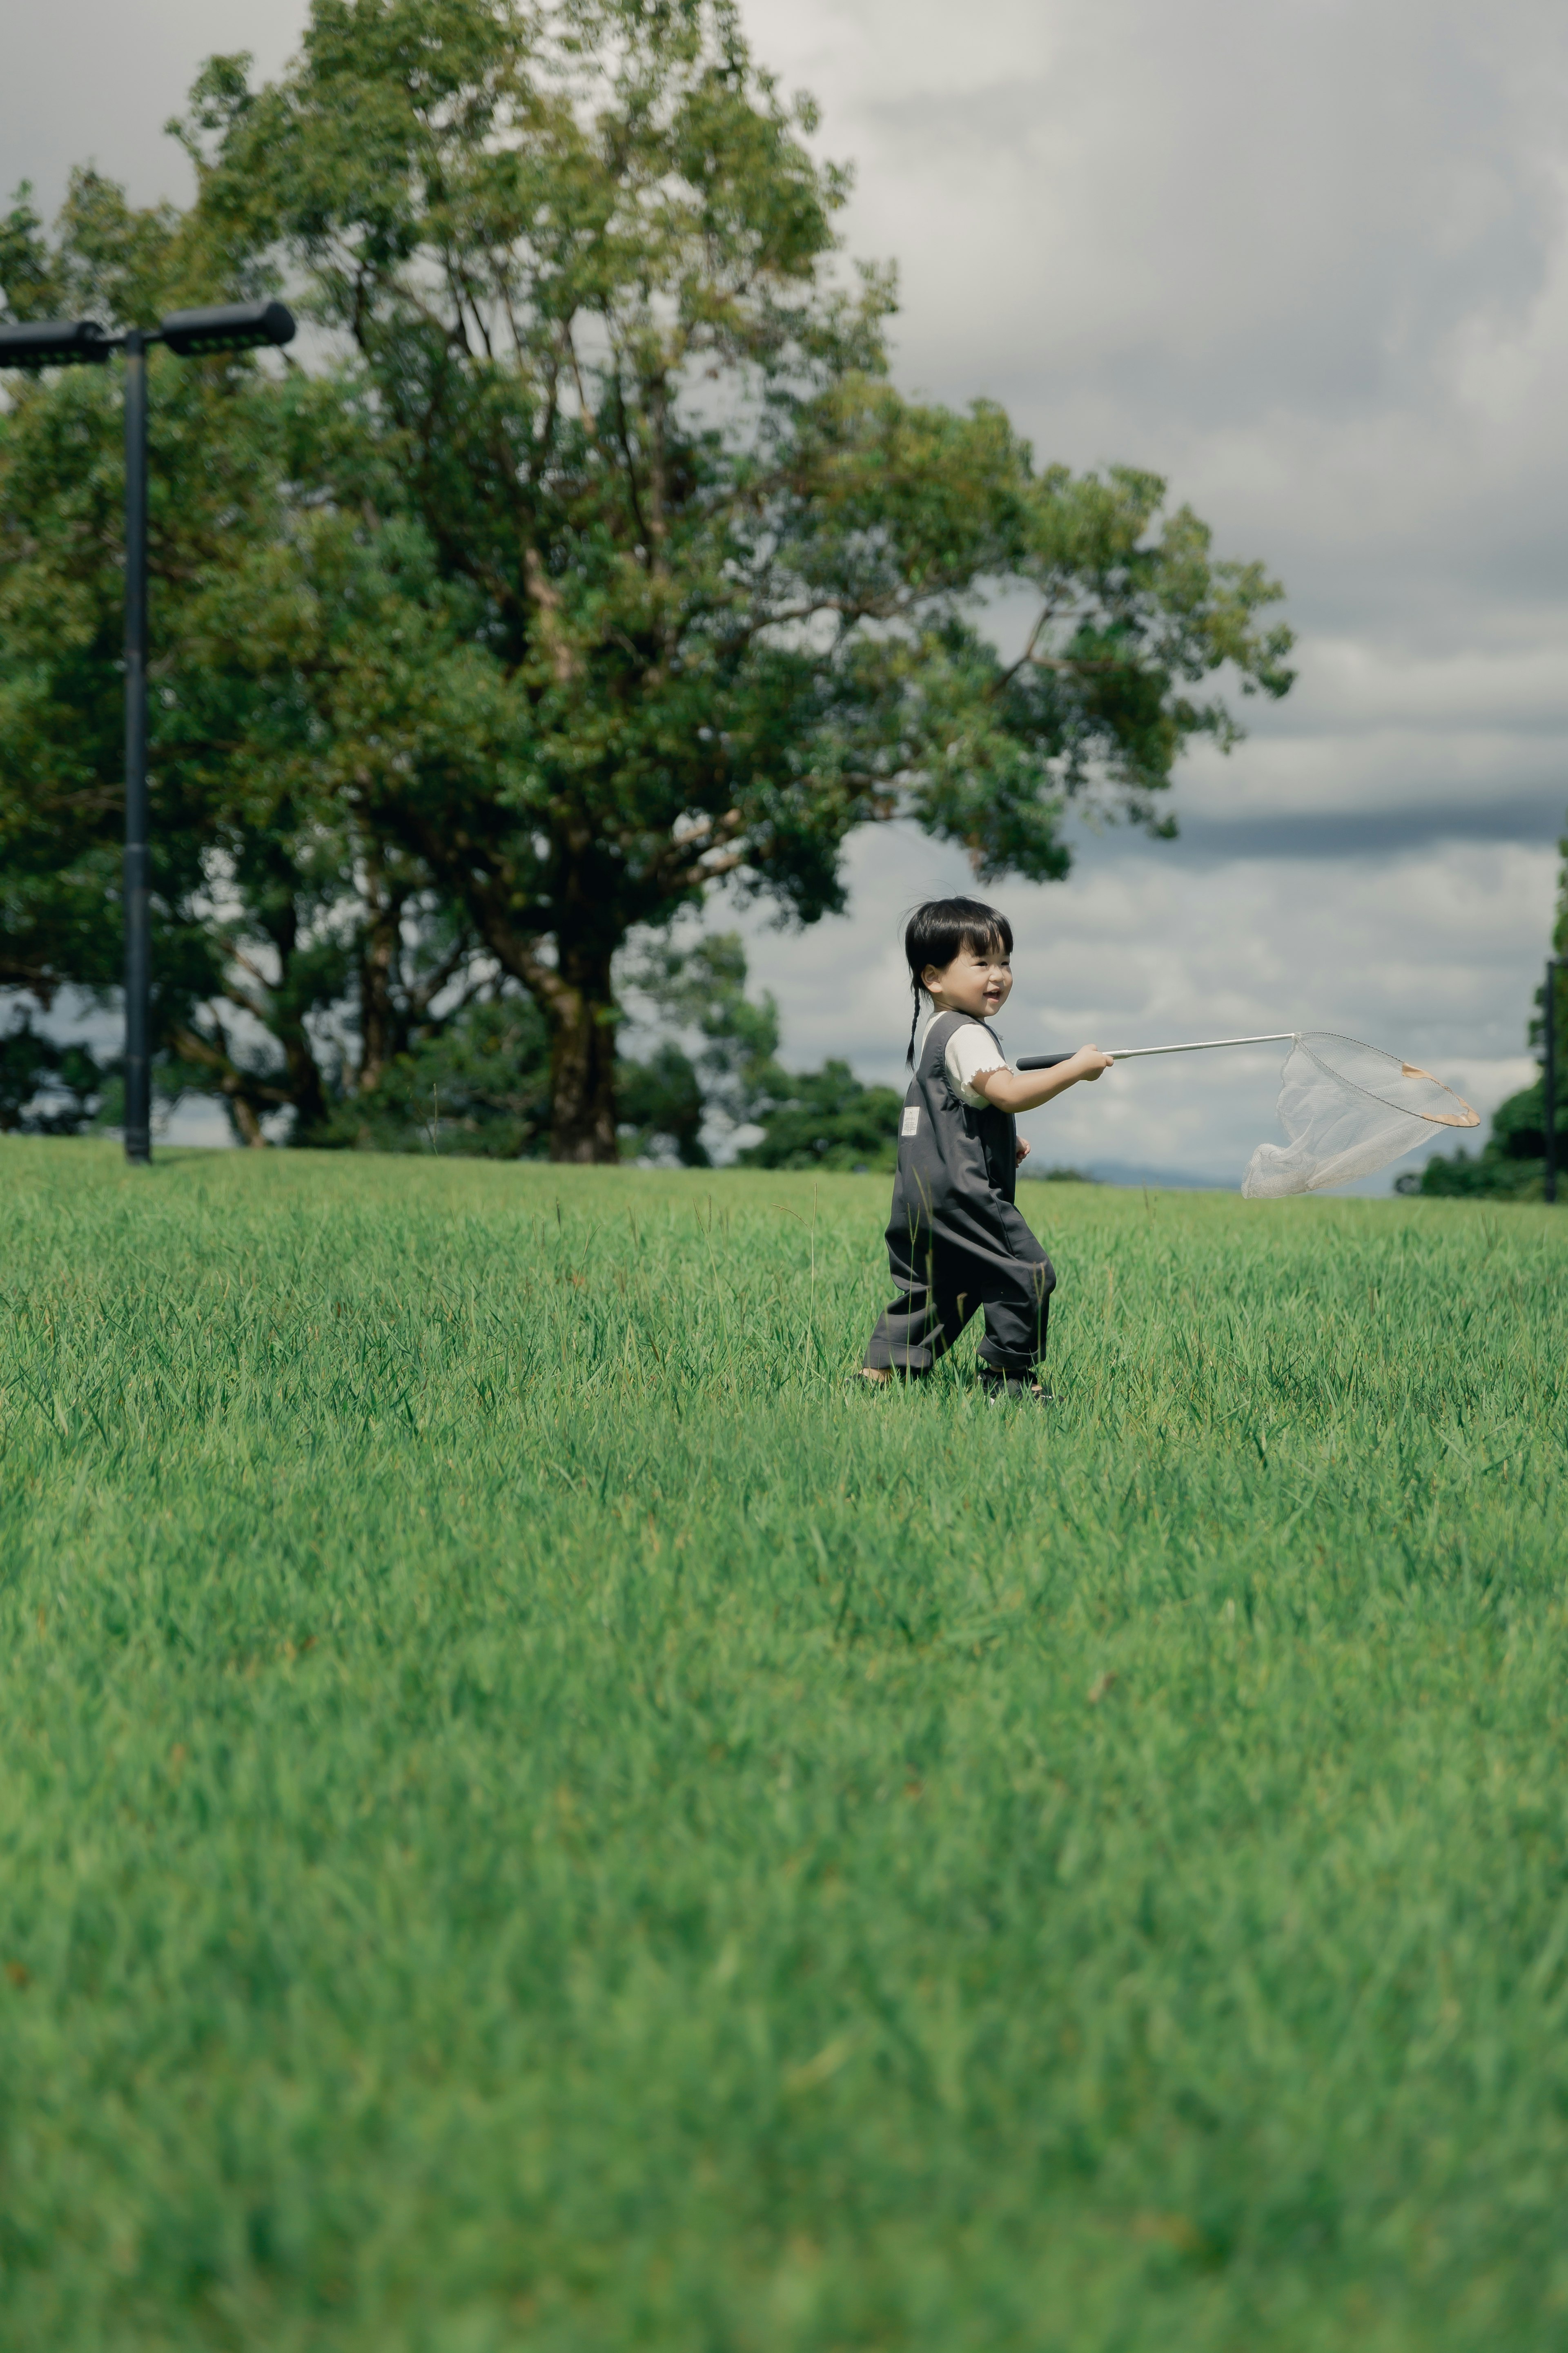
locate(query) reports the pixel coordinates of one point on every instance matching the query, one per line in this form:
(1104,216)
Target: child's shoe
(998,1381)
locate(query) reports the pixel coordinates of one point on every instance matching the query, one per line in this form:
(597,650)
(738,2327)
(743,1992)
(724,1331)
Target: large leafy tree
(700,586)
(598,559)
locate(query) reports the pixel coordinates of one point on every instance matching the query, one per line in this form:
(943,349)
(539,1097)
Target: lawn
(536,1811)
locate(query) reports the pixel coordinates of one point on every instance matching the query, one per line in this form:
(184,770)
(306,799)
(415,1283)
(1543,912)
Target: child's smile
(975,984)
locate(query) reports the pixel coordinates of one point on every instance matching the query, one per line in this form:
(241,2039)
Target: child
(955,1239)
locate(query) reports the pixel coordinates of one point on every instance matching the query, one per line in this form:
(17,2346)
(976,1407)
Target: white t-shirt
(970,1051)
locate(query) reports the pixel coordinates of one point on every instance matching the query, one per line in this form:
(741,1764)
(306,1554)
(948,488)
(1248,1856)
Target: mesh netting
(1348,1110)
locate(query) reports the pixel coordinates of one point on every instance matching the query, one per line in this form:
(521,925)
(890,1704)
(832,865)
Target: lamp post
(76,342)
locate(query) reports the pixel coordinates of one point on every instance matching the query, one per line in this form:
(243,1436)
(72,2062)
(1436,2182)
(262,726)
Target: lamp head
(232,327)
(54,342)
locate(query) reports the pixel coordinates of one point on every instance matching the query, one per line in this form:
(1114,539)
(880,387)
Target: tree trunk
(582,1011)
(306,1089)
(377,1018)
(574,993)
(244,1119)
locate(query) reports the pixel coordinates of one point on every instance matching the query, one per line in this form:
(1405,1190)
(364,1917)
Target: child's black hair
(938,930)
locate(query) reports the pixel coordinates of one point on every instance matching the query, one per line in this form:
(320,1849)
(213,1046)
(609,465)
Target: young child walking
(956,1241)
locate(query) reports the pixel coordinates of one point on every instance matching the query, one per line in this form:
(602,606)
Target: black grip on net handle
(1040,1061)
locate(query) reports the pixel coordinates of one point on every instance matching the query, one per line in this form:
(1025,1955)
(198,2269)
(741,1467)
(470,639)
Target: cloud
(1224,207)
(95,81)
(1310,262)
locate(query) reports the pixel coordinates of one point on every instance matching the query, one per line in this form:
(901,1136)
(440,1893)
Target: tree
(480,1086)
(1511,1163)
(46,1088)
(809,1119)
(699,992)
(825,1119)
(602,564)
(695,589)
(300,960)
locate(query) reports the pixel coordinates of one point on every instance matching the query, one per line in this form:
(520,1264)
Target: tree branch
(546,601)
(424,995)
(243,1092)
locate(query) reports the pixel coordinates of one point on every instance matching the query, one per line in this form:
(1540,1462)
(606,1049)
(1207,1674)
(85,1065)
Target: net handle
(1133,1053)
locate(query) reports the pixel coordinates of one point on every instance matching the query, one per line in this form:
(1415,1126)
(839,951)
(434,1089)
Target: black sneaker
(998,1382)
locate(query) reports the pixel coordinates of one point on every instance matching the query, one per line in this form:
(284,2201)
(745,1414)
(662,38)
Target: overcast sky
(1309,262)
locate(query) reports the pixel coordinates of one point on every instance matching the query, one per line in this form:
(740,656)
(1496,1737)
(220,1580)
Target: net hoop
(1463,1117)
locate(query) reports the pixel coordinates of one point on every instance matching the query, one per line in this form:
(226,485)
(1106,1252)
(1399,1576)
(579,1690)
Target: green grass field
(538,1812)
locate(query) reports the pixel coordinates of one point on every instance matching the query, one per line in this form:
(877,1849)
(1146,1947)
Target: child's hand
(1024,1150)
(1089,1062)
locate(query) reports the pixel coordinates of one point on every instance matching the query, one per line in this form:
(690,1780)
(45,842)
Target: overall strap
(938,1035)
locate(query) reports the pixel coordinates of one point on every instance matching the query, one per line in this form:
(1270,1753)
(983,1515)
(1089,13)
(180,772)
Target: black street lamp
(76,342)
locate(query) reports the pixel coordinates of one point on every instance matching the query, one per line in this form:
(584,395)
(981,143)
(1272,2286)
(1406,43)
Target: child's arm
(1011,1091)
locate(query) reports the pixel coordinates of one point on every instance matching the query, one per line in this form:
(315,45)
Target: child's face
(978,983)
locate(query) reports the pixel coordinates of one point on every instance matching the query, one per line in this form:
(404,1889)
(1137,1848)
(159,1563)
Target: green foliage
(661,1103)
(27,275)
(46,1088)
(824,1119)
(600,562)
(266,902)
(700,991)
(1511,1163)
(816,1119)
(479,1086)
(479,1081)
(537,1812)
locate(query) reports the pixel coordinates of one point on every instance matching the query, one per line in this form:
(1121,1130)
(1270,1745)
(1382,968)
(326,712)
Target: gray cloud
(95,81)
(1310,262)
(1360,833)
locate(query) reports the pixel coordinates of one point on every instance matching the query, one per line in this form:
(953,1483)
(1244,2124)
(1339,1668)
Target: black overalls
(956,1241)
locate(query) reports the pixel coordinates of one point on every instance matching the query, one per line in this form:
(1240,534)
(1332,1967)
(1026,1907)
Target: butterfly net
(1348,1111)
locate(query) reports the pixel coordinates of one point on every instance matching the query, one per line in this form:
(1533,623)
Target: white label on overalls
(912,1119)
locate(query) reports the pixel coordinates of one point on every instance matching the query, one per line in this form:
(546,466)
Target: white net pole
(1202,1045)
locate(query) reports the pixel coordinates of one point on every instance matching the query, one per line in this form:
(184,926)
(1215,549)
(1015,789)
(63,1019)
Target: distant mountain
(1128,1172)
